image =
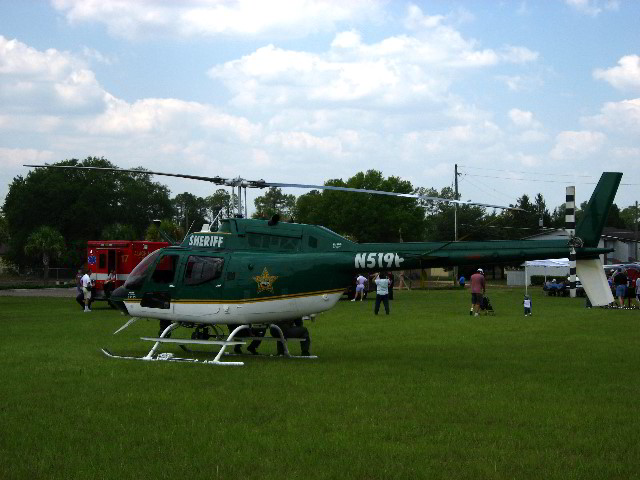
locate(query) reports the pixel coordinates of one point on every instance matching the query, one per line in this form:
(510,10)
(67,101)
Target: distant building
(623,242)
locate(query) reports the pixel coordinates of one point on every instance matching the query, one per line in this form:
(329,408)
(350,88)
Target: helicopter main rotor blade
(216,180)
(393,194)
(262,184)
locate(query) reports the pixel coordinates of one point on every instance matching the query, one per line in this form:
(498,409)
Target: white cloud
(574,145)
(513,54)
(622,117)
(593,8)
(520,83)
(34,80)
(531,136)
(303,141)
(625,76)
(523,118)
(167,115)
(216,17)
(525,160)
(19,156)
(626,153)
(95,55)
(397,70)
(462,138)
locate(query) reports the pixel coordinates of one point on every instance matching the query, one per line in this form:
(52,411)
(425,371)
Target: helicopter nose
(117,298)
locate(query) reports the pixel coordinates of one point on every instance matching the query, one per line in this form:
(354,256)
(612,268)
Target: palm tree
(46,242)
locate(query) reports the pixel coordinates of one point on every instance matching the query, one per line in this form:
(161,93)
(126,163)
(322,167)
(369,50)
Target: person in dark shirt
(620,281)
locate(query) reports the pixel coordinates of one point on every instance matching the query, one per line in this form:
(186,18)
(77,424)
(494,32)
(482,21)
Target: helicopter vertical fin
(595,215)
(594,281)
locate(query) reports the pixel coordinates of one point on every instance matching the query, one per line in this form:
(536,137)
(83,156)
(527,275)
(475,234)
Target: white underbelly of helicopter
(250,311)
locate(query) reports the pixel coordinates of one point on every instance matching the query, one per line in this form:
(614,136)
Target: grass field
(427,392)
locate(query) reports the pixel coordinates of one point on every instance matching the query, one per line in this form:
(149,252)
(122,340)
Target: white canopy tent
(553,267)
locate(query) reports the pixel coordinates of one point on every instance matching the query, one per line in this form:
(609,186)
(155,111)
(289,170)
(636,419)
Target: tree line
(49,215)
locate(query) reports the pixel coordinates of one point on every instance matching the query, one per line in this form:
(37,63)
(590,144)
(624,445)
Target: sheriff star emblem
(265,281)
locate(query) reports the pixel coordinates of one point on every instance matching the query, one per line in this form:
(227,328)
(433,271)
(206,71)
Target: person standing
(86,289)
(620,281)
(110,283)
(638,292)
(293,329)
(382,292)
(79,292)
(360,283)
(477,291)
(527,305)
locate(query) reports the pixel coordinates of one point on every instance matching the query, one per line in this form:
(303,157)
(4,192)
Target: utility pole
(455,205)
(635,225)
(455,218)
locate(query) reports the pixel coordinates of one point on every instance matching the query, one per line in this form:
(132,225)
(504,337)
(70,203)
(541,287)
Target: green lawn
(427,392)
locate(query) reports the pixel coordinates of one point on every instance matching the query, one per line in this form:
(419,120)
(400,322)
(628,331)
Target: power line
(529,179)
(479,187)
(530,173)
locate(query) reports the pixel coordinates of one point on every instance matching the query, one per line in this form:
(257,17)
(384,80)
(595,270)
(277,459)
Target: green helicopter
(250,273)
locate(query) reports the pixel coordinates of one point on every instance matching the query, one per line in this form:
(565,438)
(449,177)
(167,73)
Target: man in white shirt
(382,292)
(86,289)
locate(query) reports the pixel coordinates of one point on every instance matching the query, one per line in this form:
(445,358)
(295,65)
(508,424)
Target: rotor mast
(240,183)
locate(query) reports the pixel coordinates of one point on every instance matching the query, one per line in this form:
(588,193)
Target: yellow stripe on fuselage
(248,300)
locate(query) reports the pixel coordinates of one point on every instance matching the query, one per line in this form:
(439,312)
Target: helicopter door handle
(219,285)
(172,286)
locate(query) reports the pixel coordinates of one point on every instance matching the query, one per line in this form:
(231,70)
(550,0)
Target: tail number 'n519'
(380,260)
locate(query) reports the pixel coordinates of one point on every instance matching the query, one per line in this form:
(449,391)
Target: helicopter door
(201,287)
(158,289)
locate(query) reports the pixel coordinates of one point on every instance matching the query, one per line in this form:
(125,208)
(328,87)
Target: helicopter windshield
(136,277)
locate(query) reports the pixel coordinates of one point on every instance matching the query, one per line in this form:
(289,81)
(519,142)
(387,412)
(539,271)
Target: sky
(524,96)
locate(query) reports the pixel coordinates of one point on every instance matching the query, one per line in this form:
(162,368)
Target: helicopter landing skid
(169,357)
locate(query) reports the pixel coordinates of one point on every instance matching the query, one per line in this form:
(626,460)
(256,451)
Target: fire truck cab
(120,256)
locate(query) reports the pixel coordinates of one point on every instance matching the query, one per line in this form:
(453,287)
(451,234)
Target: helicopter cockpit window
(137,276)
(202,269)
(165,270)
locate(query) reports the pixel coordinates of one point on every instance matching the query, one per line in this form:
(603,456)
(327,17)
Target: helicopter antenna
(215,220)
(163,234)
(187,234)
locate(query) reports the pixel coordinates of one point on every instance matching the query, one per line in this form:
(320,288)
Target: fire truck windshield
(136,277)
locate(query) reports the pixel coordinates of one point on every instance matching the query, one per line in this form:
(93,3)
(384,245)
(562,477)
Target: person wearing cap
(477,291)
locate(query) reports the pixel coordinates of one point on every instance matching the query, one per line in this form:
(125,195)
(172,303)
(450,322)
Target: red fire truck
(104,256)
